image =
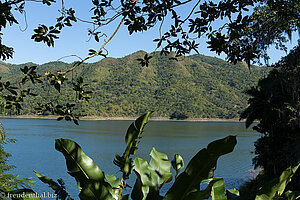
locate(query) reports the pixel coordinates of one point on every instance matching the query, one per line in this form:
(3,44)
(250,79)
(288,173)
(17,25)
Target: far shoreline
(100,118)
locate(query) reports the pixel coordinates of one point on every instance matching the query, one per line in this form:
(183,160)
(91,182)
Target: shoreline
(100,118)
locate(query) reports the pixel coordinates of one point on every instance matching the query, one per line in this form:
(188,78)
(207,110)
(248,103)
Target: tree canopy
(248,28)
(275,104)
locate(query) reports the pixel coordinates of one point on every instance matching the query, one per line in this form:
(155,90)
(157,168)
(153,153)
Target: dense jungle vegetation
(195,86)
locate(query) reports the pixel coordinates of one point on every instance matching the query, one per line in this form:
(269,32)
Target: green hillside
(196,86)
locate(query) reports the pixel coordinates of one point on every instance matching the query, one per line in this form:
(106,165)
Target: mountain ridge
(195,86)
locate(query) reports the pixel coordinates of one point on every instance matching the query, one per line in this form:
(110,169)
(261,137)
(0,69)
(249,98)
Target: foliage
(197,86)
(178,116)
(275,104)
(276,188)
(248,28)
(58,188)
(132,138)
(9,181)
(152,176)
(94,184)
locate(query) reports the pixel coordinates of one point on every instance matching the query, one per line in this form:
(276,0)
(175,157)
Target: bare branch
(69,56)
(190,12)
(97,53)
(185,2)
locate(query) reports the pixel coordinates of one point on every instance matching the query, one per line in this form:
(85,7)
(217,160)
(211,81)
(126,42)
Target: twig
(181,3)
(98,52)
(68,57)
(190,13)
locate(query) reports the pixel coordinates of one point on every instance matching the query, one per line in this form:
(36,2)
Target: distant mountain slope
(3,67)
(195,86)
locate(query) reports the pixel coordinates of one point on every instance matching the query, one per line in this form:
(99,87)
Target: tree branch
(98,52)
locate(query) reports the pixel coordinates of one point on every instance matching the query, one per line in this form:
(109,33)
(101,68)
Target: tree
(275,103)
(249,28)
(9,181)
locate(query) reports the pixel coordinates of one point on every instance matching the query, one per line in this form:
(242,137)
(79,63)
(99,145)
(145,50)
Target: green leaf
(131,139)
(277,186)
(160,165)
(80,166)
(177,164)
(291,195)
(199,168)
(141,186)
(232,193)
(203,194)
(47,180)
(112,180)
(89,177)
(95,190)
(59,190)
(151,178)
(115,184)
(218,190)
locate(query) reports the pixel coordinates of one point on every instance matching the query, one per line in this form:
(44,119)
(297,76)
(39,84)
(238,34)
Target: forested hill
(196,86)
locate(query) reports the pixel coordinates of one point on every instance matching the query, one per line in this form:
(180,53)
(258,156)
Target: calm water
(100,140)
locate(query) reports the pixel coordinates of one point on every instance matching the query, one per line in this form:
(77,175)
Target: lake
(100,140)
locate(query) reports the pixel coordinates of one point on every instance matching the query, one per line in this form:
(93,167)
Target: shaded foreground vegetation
(93,184)
(196,86)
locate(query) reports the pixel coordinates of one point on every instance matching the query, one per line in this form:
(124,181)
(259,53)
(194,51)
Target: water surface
(35,150)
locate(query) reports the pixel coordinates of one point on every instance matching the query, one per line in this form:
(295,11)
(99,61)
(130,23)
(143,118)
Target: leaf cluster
(249,27)
(274,103)
(9,181)
(151,177)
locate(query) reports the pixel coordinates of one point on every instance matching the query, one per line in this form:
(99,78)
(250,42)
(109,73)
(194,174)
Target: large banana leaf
(132,137)
(141,186)
(150,178)
(215,190)
(199,168)
(80,166)
(59,190)
(277,186)
(89,177)
(47,180)
(96,190)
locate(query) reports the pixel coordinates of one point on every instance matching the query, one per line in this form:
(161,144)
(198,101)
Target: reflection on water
(102,139)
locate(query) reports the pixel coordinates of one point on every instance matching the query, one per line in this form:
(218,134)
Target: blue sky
(73,40)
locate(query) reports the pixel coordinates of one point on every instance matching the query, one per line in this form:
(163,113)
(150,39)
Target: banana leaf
(132,137)
(199,168)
